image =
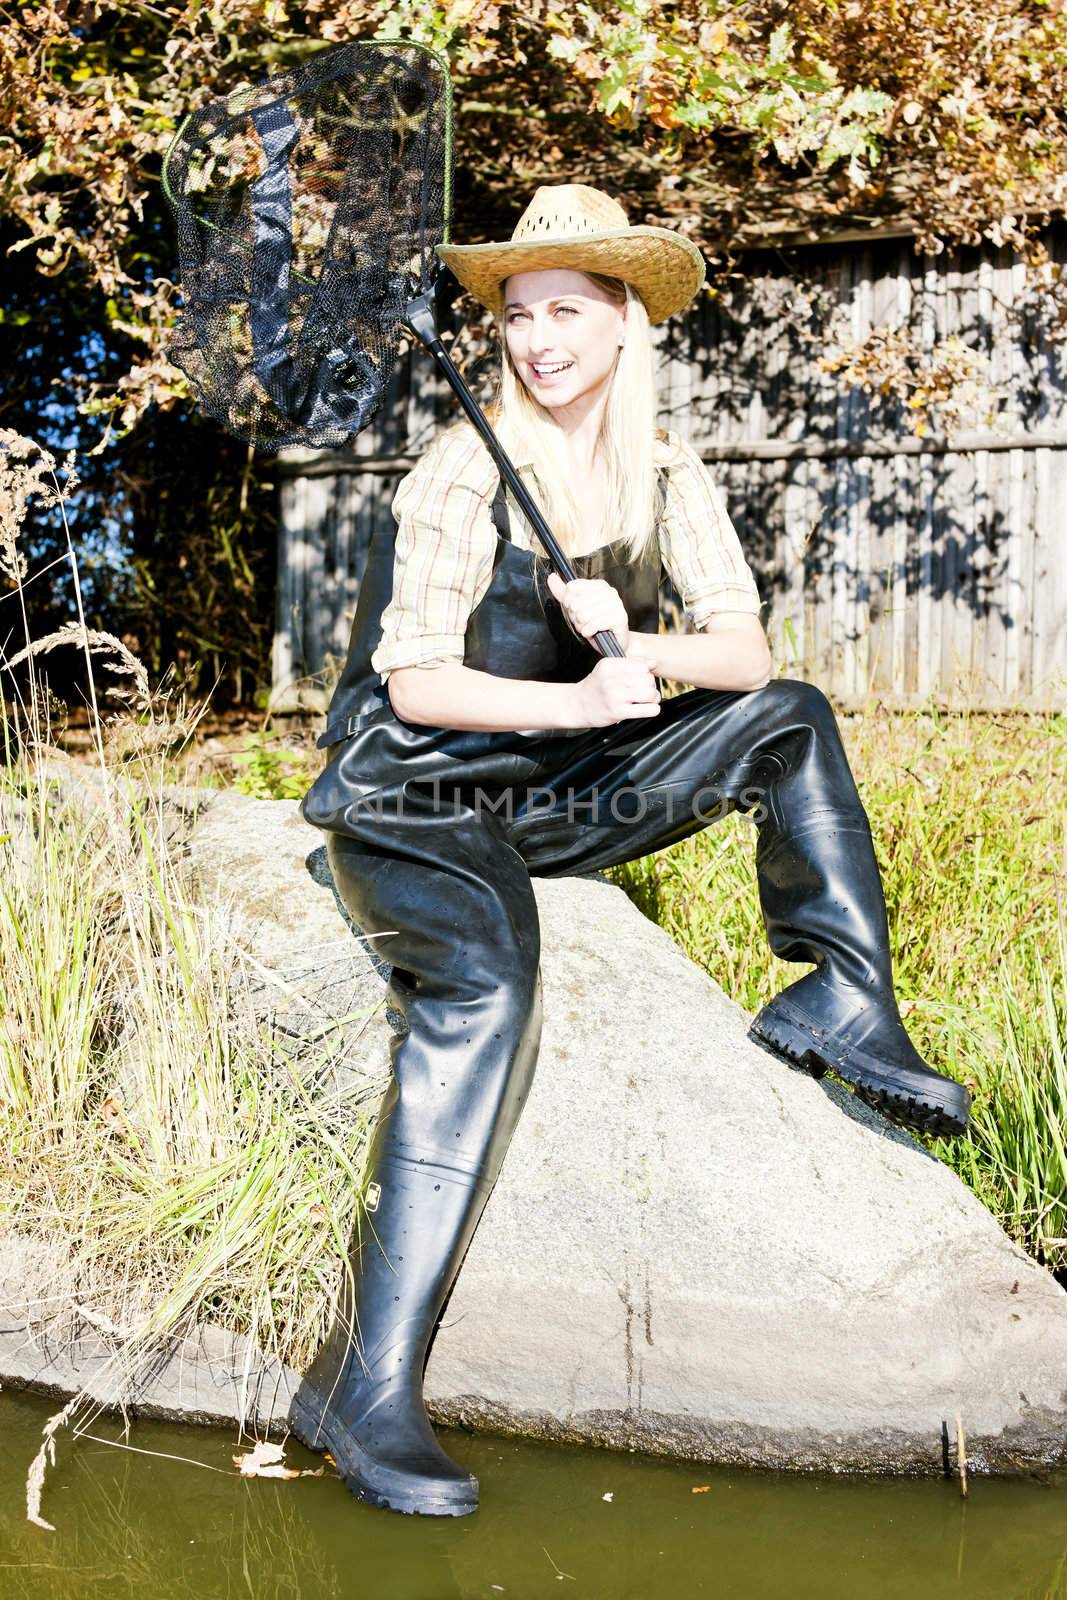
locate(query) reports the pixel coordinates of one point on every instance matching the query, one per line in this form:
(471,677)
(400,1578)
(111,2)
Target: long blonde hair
(626,442)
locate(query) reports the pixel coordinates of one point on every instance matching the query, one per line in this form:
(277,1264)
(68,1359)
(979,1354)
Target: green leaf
(694,114)
(614,90)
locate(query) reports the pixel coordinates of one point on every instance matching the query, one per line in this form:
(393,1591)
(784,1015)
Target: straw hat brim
(665,268)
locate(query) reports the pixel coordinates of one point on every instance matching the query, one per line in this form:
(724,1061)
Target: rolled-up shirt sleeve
(445,548)
(699,544)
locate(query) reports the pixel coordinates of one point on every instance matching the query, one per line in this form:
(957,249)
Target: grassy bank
(192,1163)
(168,1155)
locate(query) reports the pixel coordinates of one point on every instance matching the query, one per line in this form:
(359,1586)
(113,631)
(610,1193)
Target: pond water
(146,1525)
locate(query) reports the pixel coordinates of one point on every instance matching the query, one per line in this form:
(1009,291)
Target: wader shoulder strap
(499,511)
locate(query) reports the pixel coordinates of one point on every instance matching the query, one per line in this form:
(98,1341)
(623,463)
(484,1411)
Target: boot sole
(358,1470)
(920,1111)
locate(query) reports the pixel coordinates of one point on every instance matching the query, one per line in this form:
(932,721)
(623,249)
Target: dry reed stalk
(45,1458)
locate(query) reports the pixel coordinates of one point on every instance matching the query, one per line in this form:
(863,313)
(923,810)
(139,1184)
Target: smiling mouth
(550,371)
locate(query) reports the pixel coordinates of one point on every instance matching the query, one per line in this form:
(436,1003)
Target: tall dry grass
(157,1138)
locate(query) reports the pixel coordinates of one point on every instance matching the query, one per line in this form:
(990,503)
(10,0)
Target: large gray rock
(692,1248)
(261,862)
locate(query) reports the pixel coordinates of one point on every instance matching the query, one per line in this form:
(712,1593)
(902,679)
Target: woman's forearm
(720,660)
(455,696)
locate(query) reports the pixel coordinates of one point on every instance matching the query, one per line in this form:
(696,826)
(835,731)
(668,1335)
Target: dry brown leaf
(266,1461)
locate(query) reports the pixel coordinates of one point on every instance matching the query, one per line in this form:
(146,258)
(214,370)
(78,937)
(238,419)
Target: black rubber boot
(468,999)
(822,900)
(361,1398)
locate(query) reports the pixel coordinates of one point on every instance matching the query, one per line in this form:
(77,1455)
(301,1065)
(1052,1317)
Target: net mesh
(307,212)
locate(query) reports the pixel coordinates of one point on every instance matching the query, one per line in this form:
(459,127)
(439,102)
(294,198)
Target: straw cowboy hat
(573,225)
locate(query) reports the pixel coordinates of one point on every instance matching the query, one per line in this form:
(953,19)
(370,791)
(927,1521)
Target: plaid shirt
(446,541)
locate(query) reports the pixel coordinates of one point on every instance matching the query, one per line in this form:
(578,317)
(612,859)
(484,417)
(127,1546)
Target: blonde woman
(478,739)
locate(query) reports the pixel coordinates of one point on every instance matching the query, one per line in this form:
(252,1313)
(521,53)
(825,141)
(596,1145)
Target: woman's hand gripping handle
(619,687)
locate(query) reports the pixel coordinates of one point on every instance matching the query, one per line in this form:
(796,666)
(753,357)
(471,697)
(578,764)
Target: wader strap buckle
(336,731)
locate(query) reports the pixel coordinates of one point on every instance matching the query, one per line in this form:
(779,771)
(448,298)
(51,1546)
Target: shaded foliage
(728,122)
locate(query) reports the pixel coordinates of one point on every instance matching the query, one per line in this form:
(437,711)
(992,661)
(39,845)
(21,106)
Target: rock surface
(692,1248)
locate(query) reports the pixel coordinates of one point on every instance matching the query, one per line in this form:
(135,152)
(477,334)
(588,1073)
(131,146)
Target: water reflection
(138,1524)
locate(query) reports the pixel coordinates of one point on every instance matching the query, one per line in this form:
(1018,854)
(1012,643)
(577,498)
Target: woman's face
(563,334)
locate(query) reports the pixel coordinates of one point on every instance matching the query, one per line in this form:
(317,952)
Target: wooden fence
(895,565)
